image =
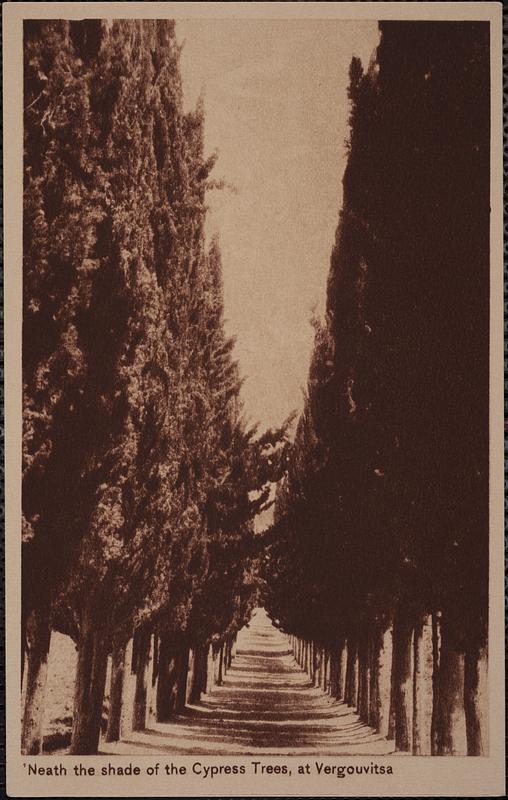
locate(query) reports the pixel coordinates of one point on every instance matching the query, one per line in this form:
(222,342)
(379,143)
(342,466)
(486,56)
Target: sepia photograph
(255,452)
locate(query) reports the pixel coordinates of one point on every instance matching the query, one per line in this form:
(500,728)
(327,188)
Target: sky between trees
(277,111)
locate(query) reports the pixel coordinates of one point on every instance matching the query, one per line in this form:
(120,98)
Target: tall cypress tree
(109,356)
(64,195)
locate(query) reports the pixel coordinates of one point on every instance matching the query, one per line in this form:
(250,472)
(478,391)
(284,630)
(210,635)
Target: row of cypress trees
(141,479)
(377,561)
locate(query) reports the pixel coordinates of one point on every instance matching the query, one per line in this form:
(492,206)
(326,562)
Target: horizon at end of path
(265,706)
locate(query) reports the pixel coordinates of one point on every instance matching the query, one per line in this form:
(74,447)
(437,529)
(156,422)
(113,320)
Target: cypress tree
(400,417)
(63,198)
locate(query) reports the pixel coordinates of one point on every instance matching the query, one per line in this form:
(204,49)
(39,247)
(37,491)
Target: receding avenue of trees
(141,477)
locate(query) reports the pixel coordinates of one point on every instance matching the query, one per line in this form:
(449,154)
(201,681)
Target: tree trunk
(451,695)
(334,672)
(143,639)
(326,670)
(351,671)
(417,687)
(391,714)
(198,674)
(319,666)
(166,679)
(402,630)
(349,667)
(375,700)
(363,674)
(181,677)
(24,646)
(89,686)
(436,647)
(155,659)
(476,727)
(116,691)
(227,656)
(220,678)
(152,682)
(204,669)
(211,660)
(341,671)
(229,652)
(381,680)
(38,639)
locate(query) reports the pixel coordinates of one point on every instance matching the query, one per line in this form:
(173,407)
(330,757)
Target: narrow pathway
(265,707)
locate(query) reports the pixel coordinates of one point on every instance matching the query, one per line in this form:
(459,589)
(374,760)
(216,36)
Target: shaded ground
(266,706)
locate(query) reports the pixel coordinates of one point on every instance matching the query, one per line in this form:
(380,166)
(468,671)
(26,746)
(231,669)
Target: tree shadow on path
(266,706)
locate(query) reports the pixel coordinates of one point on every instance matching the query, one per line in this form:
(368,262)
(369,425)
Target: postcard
(254,399)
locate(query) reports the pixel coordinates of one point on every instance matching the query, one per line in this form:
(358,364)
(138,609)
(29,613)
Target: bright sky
(276,111)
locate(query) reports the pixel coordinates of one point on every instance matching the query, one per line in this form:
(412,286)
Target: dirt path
(266,706)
